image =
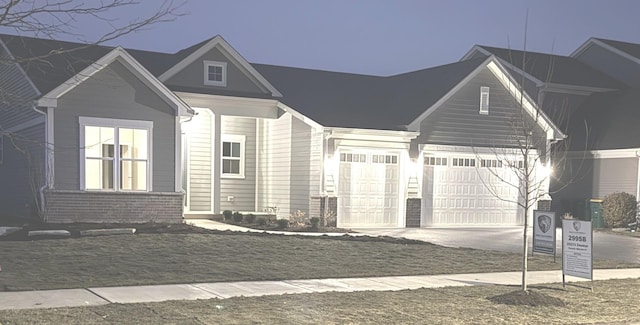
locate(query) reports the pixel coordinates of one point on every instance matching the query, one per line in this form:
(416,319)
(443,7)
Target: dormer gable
(217,68)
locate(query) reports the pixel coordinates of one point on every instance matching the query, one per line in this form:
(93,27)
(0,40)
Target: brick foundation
(414,209)
(125,207)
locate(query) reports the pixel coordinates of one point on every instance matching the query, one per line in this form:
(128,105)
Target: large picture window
(115,154)
(233,156)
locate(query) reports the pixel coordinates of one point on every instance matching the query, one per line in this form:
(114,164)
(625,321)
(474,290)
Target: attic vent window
(215,73)
(484,100)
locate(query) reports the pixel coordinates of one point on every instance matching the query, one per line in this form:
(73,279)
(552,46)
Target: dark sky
(380,37)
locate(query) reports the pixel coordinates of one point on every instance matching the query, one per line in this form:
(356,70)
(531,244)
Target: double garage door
(368,189)
(469,191)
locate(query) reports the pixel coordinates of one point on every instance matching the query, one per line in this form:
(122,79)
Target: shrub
(283,223)
(228,215)
(619,209)
(315,221)
(250,218)
(237,216)
(298,219)
(262,221)
(329,219)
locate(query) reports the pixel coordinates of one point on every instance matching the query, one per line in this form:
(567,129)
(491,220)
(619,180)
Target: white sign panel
(577,248)
(544,232)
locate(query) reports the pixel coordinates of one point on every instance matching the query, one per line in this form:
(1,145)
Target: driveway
(509,239)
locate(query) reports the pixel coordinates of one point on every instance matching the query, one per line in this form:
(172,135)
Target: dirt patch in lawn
(527,298)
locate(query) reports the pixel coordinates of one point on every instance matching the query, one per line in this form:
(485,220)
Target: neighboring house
(127,135)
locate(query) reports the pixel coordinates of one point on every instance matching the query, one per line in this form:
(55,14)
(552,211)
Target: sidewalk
(223,290)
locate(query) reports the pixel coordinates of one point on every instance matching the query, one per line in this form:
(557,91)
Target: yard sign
(577,248)
(544,232)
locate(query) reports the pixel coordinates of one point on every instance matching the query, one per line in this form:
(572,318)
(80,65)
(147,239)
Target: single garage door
(368,189)
(469,191)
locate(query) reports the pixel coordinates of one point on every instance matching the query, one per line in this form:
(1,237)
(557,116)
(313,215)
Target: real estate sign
(544,232)
(577,248)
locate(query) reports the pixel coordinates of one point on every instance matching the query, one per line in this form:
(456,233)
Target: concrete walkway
(223,290)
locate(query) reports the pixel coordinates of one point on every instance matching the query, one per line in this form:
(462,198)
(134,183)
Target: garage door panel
(373,192)
(457,196)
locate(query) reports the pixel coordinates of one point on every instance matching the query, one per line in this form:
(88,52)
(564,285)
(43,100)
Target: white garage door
(368,189)
(467,191)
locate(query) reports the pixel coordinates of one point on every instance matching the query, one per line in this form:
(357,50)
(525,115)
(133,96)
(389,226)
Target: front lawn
(612,302)
(183,257)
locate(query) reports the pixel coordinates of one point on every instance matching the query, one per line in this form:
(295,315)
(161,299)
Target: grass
(613,301)
(163,258)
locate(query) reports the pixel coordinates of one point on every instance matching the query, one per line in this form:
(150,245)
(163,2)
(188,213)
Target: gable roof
(337,99)
(629,48)
(56,67)
(189,55)
(550,68)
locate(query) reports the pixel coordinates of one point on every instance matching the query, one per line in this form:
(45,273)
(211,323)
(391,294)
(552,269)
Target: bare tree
(532,158)
(57,19)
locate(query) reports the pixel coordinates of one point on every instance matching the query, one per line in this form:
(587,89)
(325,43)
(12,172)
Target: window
(384,159)
(215,73)
(105,168)
(490,163)
(233,156)
(484,100)
(435,161)
(463,162)
(353,157)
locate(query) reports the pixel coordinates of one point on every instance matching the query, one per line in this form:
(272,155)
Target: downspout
(46,162)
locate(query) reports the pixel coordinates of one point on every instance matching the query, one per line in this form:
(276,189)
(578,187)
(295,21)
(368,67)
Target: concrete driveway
(509,239)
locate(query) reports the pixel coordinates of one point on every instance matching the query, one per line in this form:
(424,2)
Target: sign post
(577,249)
(544,233)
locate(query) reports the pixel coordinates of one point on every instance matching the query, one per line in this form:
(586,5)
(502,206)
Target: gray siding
(200,150)
(192,76)
(611,64)
(458,122)
(22,172)
(242,190)
(16,94)
(115,93)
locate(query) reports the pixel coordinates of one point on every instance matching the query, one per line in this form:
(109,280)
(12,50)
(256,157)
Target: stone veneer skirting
(413,211)
(127,207)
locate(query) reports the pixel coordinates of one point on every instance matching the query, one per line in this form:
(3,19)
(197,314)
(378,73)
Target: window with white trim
(233,156)
(103,167)
(484,100)
(215,73)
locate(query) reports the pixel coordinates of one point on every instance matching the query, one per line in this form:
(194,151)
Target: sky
(375,36)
